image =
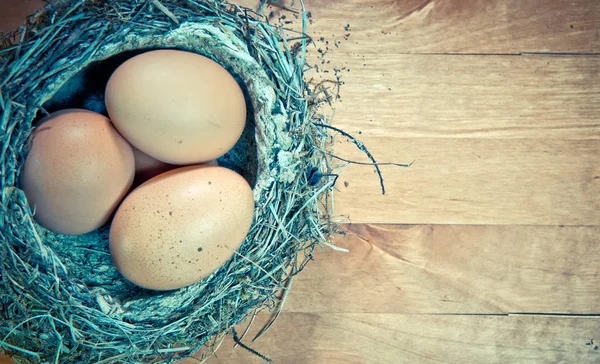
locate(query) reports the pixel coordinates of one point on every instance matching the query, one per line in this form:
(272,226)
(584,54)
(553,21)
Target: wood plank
(473,181)
(454,269)
(459,26)
(453,26)
(360,338)
(433,26)
(428,96)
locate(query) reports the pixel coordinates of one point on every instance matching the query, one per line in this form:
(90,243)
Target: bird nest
(61,298)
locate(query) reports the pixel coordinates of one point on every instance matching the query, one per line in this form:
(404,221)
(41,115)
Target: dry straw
(61,299)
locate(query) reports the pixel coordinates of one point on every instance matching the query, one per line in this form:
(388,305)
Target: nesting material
(61,298)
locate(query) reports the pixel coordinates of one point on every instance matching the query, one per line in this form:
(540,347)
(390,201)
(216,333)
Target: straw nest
(61,298)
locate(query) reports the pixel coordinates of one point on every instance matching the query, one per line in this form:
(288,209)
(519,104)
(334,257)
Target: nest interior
(61,298)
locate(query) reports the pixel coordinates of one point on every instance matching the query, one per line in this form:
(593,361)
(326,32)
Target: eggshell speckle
(178,107)
(180,226)
(77,171)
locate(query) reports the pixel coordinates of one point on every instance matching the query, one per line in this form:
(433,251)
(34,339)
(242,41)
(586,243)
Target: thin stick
(279,309)
(247,328)
(256,265)
(237,340)
(370,164)
(162,8)
(2,343)
(360,146)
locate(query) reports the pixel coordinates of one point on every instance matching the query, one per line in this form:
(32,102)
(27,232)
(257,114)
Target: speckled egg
(175,106)
(77,171)
(181,226)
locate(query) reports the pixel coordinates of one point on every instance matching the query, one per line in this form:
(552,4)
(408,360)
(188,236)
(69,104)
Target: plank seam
(516,54)
(467,225)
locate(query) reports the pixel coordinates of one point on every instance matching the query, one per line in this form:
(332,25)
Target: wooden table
(485,250)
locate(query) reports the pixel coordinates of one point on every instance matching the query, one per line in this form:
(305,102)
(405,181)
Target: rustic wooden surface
(487,249)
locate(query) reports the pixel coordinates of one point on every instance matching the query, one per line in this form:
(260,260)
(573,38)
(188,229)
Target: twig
(279,309)
(361,147)
(164,9)
(370,164)
(237,341)
(247,327)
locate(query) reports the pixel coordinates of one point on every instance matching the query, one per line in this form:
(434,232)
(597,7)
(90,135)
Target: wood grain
(360,338)
(398,104)
(460,26)
(433,26)
(474,181)
(441,96)
(454,269)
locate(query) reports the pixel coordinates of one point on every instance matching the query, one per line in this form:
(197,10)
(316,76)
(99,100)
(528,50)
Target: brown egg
(147,167)
(77,171)
(177,107)
(181,226)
